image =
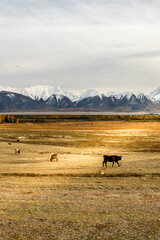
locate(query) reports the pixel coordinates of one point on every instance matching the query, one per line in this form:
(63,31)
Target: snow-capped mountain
(90,93)
(128,95)
(41,92)
(45,91)
(55,97)
(59,101)
(118,102)
(155,96)
(132,98)
(10,101)
(36,92)
(120,95)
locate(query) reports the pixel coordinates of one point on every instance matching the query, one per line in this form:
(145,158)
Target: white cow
(17,151)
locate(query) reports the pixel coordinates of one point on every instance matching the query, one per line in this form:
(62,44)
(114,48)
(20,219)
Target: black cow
(111,158)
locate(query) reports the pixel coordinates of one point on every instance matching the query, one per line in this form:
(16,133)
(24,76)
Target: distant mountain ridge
(43,92)
(45,97)
(10,101)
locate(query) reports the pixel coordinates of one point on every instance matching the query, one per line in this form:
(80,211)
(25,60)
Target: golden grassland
(76,198)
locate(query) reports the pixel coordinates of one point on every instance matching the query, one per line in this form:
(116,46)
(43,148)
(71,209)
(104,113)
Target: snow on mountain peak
(45,91)
(8,89)
(119,95)
(73,96)
(41,91)
(155,95)
(91,93)
(156,92)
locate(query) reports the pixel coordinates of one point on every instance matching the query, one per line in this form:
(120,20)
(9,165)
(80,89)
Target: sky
(111,45)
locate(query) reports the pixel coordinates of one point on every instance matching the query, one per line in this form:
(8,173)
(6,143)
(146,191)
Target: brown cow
(111,158)
(53,157)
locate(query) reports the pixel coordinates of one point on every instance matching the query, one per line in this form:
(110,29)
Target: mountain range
(50,98)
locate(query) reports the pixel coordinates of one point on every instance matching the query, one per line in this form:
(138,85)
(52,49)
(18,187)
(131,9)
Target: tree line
(53,118)
(8,119)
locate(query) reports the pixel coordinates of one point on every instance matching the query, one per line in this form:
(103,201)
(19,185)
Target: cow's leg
(118,164)
(104,163)
(113,164)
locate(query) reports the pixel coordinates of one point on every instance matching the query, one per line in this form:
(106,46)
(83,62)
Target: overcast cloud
(80,44)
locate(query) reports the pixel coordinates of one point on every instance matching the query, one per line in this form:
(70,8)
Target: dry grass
(76,198)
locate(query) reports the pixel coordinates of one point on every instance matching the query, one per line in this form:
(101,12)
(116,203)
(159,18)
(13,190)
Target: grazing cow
(111,158)
(17,151)
(53,157)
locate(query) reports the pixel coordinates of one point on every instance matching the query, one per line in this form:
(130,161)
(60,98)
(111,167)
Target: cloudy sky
(80,44)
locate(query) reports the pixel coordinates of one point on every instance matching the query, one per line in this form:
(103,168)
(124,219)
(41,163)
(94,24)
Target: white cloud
(103,44)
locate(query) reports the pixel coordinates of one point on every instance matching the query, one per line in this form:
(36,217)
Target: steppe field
(76,198)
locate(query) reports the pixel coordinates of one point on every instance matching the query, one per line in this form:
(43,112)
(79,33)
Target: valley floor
(76,198)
